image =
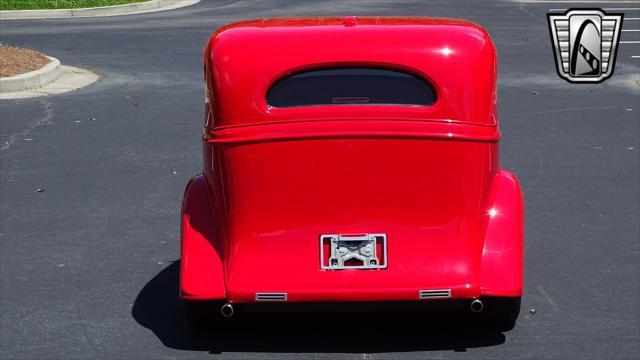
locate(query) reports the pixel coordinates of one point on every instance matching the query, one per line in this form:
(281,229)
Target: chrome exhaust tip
(476,305)
(227,310)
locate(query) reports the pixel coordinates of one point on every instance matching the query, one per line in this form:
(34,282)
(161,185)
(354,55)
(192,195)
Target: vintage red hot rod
(352,160)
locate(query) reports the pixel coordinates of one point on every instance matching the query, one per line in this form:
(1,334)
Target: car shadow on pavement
(159,309)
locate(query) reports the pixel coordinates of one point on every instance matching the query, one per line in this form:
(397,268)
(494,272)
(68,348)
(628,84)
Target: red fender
(201,269)
(502,255)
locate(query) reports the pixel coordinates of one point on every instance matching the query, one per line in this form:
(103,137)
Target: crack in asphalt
(11,139)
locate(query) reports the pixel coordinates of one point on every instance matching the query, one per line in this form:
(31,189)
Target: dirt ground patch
(15,61)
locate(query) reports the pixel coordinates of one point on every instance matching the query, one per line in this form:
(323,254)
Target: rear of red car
(351,160)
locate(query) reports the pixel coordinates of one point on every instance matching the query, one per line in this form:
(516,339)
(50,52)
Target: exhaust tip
(227,310)
(476,305)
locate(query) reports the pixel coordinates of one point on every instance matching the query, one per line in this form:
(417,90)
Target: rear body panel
(426,196)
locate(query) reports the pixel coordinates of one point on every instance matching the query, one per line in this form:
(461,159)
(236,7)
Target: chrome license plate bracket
(346,251)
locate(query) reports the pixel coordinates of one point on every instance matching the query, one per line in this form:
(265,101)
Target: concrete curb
(136,8)
(70,79)
(33,79)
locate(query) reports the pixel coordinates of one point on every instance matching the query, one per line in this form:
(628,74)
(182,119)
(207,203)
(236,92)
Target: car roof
(457,57)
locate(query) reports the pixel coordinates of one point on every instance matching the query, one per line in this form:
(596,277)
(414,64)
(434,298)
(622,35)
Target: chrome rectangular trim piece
(434,294)
(271,296)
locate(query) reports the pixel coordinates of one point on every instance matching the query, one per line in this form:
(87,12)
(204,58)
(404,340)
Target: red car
(349,161)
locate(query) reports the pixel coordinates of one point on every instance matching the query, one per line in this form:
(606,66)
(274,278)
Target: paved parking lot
(88,268)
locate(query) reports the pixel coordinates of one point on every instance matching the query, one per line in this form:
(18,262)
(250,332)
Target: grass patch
(59,4)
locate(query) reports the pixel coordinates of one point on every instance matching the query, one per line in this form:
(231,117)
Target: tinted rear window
(353,85)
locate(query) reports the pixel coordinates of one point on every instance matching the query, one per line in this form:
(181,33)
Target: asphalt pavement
(89,266)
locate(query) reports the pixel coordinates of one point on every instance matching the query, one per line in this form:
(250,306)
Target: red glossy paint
(274,180)
(502,256)
(202,252)
(245,58)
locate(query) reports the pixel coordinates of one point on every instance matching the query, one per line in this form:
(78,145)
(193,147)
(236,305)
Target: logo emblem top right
(585,42)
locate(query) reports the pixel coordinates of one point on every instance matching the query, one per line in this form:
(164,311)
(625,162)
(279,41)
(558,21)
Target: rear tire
(502,313)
